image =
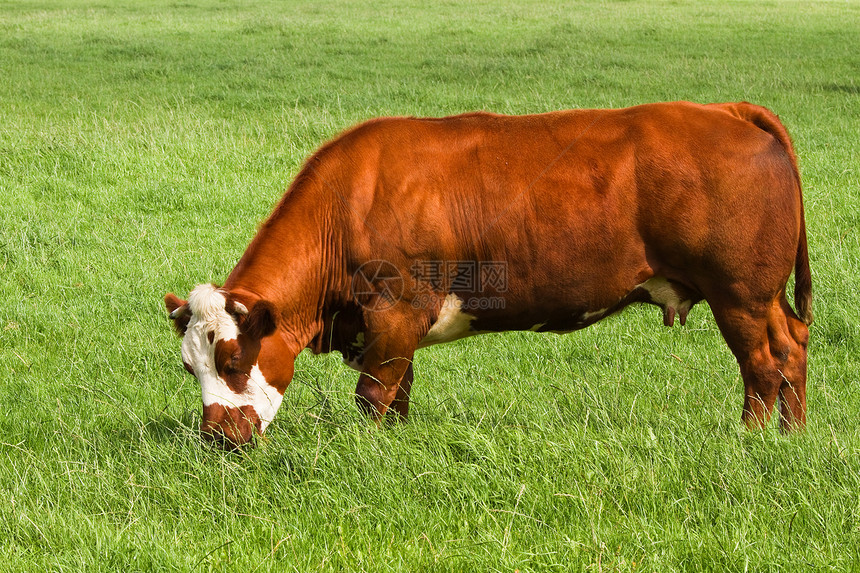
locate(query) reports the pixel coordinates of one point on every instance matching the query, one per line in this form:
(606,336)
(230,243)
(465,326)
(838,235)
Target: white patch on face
(662,293)
(452,323)
(265,398)
(208,310)
(208,314)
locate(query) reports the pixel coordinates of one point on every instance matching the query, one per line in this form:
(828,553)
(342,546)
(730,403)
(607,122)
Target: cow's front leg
(400,405)
(385,386)
(386,378)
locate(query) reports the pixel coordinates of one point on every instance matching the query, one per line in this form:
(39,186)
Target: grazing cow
(404,232)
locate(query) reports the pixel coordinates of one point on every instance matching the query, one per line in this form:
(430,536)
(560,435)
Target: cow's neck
(291,263)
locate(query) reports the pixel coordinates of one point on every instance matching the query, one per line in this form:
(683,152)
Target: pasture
(142,143)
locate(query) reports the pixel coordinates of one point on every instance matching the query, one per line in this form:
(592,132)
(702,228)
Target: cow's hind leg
(792,391)
(770,346)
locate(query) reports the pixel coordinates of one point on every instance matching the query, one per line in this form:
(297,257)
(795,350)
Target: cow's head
(243,370)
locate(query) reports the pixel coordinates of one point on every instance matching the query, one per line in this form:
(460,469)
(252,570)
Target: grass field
(140,145)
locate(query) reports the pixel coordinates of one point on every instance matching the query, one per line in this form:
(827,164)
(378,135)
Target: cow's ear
(179,312)
(260,321)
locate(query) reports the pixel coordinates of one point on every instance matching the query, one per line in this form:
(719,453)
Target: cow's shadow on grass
(180,432)
(164,428)
(845,88)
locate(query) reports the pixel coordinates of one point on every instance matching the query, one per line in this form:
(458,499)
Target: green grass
(140,145)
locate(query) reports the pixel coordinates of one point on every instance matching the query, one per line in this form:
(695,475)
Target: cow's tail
(766,120)
(802,276)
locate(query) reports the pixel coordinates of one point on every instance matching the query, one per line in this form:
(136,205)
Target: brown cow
(405,232)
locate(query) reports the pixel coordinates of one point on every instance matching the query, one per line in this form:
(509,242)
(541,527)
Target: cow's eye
(233,366)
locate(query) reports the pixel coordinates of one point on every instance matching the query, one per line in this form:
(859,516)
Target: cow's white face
(237,399)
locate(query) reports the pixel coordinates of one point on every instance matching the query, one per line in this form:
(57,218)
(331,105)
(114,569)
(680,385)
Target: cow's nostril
(211,434)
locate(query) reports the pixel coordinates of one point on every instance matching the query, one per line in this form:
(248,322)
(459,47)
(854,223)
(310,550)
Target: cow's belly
(454,322)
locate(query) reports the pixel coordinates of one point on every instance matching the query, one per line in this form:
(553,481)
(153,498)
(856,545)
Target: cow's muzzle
(229,427)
